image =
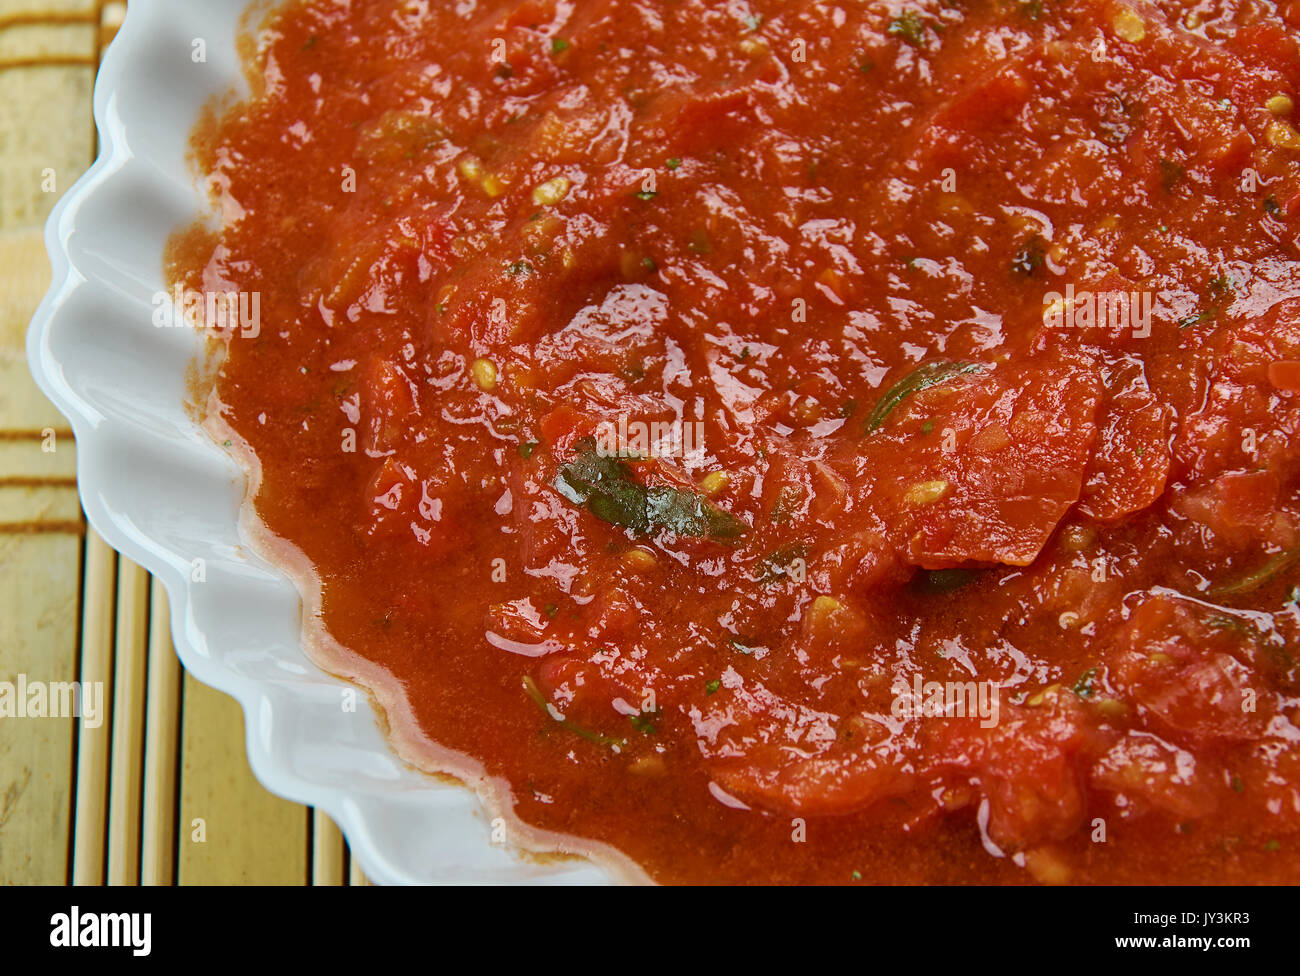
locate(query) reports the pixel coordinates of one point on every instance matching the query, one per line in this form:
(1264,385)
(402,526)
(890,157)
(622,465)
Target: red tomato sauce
(966,548)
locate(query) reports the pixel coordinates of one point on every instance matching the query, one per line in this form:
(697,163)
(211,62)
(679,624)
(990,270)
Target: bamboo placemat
(160,792)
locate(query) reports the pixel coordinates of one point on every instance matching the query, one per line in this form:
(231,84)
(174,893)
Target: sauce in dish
(791,442)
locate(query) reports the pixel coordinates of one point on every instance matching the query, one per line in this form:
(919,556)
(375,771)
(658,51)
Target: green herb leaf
(712,686)
(776,564)
(559,45)
(549,710)
(526,449)
(686,514)
(787,501)
(1257,578)
(606,487)
(921,378)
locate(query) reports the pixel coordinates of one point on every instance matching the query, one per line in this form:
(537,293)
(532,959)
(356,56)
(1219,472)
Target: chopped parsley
(1031,256)
(1084,687)
(1217,294)
(909,27)
(641,721)
(776,564)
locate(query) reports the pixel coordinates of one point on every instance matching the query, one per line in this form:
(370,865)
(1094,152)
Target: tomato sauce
(792,441)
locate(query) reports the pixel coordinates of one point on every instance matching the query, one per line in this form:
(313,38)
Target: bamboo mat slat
(163,697)
(91,818)
(231,830)
(40,574)
(127,754)
(328,855)
(159,792)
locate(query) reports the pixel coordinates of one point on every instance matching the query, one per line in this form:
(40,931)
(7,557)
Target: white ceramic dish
(158,489)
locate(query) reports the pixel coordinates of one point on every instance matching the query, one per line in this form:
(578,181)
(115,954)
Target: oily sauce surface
(979,325)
